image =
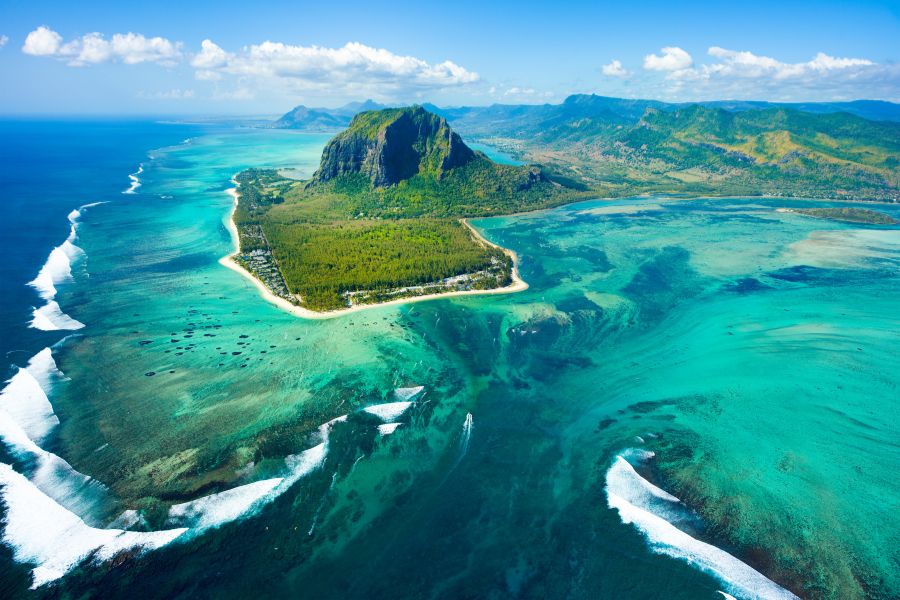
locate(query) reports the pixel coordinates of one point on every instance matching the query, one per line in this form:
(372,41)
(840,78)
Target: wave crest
(653,511)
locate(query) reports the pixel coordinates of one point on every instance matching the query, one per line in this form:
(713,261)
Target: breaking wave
(408,393)
(55,515)
(26,420)
(654,511)
(25,399)
(57,270)
(217,509)
(388,412)
(135,181)
(388,428)
(42,532)
(50,317)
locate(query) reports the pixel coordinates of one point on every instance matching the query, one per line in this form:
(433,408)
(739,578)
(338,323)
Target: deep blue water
(47,169)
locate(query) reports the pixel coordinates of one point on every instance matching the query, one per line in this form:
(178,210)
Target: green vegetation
(851,215)
(321,262)
(621,147)
(380,218)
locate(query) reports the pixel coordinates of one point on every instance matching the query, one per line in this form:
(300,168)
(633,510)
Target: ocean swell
(654,512)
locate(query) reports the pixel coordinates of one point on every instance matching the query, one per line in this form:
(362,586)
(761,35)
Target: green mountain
(381,217)
(775,151)
(309,119)
(392,145)
(407,162)
(322,119)
(622,147)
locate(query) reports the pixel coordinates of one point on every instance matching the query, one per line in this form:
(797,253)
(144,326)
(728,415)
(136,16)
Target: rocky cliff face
(391,145)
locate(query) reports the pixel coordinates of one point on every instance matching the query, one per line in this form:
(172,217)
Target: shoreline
(517,285)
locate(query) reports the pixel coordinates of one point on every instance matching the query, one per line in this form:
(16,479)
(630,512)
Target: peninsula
(383,219)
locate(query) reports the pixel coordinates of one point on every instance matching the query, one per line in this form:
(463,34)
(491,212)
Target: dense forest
(324,260)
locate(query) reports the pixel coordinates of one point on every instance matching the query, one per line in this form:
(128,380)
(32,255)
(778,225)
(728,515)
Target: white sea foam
(42,532)
(302,464)
(46,515)
(408,393)
(388,428)
(388,412)
(50,317)
(25,396)
(652,510)
(56,270)
(216,509)
(135,181)
(325,428)
(54,476)
(127,519)
(26,419)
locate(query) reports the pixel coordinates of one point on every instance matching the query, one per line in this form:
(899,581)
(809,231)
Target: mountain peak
(393,144)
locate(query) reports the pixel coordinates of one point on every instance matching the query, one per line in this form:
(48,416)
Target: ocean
(693,399)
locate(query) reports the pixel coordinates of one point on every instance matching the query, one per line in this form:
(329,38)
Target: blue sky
(223,57)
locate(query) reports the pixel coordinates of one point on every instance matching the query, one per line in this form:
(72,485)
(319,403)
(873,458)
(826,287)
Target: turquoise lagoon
(721,352)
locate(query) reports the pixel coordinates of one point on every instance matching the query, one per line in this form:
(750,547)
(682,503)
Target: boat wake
(655,513)
(466,435)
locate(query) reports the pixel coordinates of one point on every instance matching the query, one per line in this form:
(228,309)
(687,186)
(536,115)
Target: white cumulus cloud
(747,64)
(744,74)
(43,41)
(672,58)
(93,48)
(3,40)
(353,67)
(614,69)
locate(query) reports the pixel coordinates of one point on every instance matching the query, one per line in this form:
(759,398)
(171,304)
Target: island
(383,219)
(848,215)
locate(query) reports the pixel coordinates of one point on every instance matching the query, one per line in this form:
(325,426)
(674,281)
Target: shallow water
(751,350)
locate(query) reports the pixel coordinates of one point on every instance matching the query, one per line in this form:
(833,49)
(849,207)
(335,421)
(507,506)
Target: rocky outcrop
(391,145)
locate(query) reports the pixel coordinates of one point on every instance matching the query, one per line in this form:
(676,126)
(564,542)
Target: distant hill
(598,112)
(309,119)
(774,150)
(323,119)
(585,111)
(622,147)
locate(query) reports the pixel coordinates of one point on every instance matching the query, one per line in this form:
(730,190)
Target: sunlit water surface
(739,357)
